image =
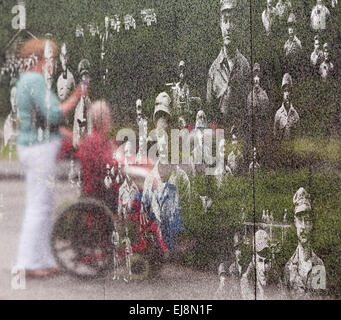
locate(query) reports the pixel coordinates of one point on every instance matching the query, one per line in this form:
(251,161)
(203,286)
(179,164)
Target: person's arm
(72,101)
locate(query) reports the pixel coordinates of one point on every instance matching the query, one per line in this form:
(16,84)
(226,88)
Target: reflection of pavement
(174,282)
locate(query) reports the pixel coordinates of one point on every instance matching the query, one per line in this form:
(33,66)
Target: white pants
(40,162)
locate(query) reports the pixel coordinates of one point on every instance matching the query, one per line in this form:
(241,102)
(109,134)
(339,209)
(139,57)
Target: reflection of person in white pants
(38,143)
(40,167)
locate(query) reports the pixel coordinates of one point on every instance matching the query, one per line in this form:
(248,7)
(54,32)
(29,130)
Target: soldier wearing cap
(162,113)
(181,97)
(286,116)
(304,273)
(82,123)
(261,263)
(259,113)
(66,81)
(326,69)
(316,56)
(293,45)
(228,77)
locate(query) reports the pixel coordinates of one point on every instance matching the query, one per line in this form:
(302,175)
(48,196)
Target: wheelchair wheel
(81,239)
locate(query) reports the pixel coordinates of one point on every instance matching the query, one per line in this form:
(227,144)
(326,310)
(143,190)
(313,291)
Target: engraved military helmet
(227,4)
(287,80)
(262,240)
(291,18)
(301,200)
(162,103)
(83,66)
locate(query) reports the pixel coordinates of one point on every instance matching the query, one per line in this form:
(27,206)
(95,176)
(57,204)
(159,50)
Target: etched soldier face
(286,95)
(228,25)
(316,45)
(304,226)
(291,32)
(106,22)
(326,54)
(269,3)
(13,99)
(256,81)
(263,265)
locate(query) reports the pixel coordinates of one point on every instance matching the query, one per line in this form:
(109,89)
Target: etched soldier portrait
(254,281)
(82,123)
(229,75)
(283,8)
(180,92)
(286,117)
(316,57)
(326,69)
(66,81)
(235,159)
(293,45)
(269,16)
(11,124)
(259,112)
(304,273)
(319,16)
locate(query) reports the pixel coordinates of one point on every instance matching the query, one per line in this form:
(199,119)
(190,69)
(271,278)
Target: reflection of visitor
(304,273)
(39,156)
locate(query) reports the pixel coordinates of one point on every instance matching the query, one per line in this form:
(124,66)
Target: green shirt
(32,101)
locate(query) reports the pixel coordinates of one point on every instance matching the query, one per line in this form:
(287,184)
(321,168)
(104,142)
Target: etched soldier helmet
(262,240)
(201,121)
(162,103)
(325,46)
(181,64)
(291,18)
(227,4)
(301,201)
(287,80)
(83,66)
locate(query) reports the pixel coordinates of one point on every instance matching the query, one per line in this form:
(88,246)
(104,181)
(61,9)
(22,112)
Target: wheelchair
(91,239)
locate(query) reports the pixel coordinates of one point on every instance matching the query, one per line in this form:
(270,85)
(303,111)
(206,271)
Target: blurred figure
(96,151)
(39,109)
(283,8)
(319,16)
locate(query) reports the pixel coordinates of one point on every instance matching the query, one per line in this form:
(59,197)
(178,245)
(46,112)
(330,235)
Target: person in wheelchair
(95,153)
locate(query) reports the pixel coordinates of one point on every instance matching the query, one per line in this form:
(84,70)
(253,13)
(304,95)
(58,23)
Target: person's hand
(66,133)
